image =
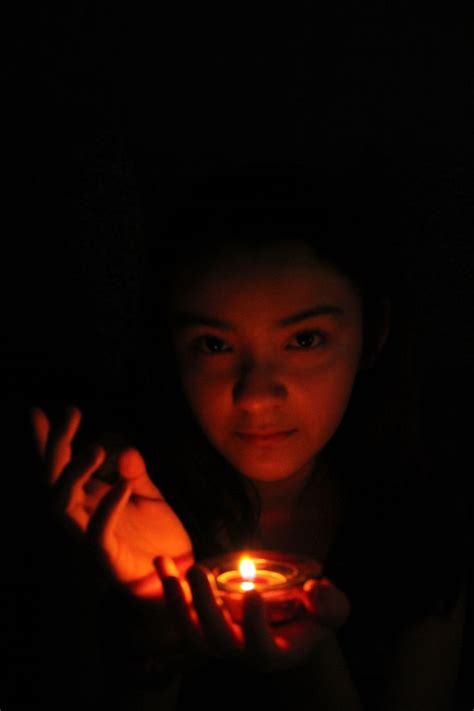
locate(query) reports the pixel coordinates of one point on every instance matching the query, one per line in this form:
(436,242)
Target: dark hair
(378,448)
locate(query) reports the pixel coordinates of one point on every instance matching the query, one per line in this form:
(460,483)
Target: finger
(132,467)
(102,526)
(326,602)
(260,646)
(216,623)
(182,613)
(41,428)
(58,448)
(70,486)
(167,568)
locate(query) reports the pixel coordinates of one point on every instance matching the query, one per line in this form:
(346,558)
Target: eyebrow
(188,319)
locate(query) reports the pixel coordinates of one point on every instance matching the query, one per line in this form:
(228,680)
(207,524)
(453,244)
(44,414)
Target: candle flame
(247,569)
(247,586)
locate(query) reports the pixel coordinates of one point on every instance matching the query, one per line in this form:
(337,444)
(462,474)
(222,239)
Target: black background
(86,86)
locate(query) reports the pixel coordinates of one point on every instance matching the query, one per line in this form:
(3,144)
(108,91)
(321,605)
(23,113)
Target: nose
(258,387)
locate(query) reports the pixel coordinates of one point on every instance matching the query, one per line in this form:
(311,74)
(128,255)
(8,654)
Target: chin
(268,473)
(266,476)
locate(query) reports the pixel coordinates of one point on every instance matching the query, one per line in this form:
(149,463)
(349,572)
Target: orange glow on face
(244,372)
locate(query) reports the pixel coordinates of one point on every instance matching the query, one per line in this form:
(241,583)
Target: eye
(309,340)
(210,345)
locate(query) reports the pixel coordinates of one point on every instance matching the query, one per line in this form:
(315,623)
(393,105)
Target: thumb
(132,468)
(326,603)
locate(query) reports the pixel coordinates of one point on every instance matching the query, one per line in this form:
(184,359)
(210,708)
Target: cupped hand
(128,522)
(206,628)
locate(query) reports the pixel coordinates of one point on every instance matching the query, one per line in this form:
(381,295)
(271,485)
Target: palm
(133,534)
(145,530)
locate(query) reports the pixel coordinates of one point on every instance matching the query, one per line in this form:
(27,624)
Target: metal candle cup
(278,577)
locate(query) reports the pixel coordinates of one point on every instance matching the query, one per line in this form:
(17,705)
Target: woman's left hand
(206,627)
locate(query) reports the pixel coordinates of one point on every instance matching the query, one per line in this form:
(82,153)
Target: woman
(277,315)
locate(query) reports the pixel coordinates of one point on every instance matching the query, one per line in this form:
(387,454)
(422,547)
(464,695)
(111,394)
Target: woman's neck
(300,514)
(284,495)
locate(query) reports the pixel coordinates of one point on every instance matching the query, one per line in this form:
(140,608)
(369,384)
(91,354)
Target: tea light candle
(278,577)
(247,578)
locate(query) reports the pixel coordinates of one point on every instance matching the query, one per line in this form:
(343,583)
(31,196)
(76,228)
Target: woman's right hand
(205,628)
(129,523)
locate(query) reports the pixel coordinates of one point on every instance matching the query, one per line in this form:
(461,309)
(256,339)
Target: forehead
(276,277)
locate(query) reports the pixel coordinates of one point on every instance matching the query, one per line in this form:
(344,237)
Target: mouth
(262,440)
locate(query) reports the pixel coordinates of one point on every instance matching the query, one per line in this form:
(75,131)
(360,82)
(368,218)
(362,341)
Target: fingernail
(165,567)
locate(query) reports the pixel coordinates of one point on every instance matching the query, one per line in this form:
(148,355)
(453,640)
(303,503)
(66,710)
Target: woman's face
(268,341)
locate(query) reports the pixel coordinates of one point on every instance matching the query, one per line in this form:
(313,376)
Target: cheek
(325,397)
(205,395)
(336,398)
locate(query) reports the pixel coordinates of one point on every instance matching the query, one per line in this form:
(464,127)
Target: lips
(264,437)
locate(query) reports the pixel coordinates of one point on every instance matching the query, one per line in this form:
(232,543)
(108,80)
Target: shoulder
(425,665)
